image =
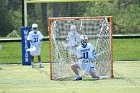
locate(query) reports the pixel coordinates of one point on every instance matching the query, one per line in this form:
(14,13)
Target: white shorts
(36,52)
(88,66)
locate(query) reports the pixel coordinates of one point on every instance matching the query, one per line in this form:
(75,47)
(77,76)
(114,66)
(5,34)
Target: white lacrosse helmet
(34,27)
(73,28)
(84,40)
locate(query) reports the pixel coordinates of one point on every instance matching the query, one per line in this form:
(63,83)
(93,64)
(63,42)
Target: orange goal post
(99,31)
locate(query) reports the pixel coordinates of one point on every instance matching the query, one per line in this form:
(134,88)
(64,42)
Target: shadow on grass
(118,78)
(72,78)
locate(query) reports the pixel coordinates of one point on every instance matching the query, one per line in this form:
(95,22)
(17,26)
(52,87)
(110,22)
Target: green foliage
(16,20)
(5,25)
(10,16)
(126,19)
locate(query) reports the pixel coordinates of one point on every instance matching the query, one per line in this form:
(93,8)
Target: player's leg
(32,61)
(32,53)
(75,68)
(93,74)
(39,61)
(73,53)
(39,56)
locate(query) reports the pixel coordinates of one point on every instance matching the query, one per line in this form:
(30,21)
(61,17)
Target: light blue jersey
(35,37)
(87,53)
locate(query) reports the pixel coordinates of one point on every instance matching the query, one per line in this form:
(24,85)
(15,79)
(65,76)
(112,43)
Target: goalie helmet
(73,28)
(84,40)
(34,27)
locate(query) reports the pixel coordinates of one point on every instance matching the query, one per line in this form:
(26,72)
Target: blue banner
(25,45)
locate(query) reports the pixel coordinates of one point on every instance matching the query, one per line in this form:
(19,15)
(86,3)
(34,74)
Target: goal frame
(78,18)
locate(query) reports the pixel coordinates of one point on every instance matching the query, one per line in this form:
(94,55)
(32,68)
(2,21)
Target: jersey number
(85,55)
(35,39)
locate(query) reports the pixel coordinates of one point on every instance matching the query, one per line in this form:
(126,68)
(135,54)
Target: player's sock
(78,77)
(32,63)
(40,64)
(100,77)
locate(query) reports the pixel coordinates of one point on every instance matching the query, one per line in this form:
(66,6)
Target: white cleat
(32,66)
(100,78)
(40,66)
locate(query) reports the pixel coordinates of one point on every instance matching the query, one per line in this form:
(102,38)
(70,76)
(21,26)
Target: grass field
(15,78)
(12,51)
(123,49)
(126,49)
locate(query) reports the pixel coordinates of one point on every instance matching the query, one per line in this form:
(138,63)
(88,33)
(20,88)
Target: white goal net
(98,30)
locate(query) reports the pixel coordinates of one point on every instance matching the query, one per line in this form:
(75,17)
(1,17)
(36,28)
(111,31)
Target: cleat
(78,78)
(100,78)
(40,66)
(32,66)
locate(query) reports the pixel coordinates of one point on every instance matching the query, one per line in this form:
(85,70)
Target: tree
(5,25)
(44,17)
(125,19)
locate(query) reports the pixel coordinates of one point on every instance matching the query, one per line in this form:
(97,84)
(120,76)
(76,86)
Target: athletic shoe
(32,66)
(100,77)
(78,78)
(40,66)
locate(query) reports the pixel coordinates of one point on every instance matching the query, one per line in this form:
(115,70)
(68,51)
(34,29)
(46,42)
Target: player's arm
(78,53)
(41,36)
(39,42)
(94,54)
(29,38)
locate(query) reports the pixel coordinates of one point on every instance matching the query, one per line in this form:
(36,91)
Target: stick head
(32,49)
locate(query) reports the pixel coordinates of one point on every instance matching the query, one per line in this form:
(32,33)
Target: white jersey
(73,38)
(35,38)
(87,53)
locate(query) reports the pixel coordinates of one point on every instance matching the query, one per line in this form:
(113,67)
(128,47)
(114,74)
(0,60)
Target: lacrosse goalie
(85,54)
(73,40)
(35,38)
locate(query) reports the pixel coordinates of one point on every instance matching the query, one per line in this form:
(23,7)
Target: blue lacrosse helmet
(84,40)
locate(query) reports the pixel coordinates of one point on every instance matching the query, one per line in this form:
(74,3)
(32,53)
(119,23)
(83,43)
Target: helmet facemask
(84,40)
(34,28)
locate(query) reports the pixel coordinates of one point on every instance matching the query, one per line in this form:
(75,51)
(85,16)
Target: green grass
(12,51)
(123,49)
(24,79)
(126,49)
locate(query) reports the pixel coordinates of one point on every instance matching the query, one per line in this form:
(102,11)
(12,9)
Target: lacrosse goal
(99,31)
